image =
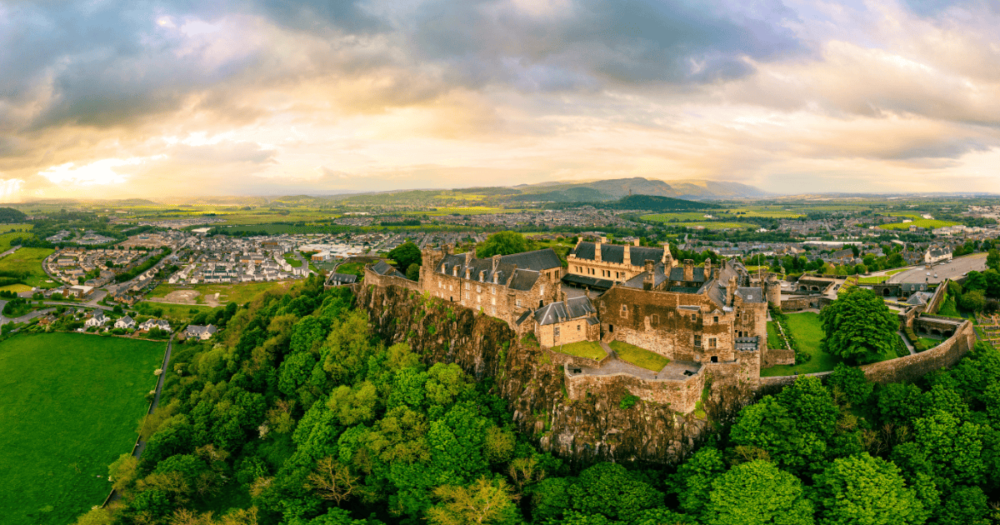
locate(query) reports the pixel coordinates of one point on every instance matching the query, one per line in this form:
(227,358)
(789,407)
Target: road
(950,270)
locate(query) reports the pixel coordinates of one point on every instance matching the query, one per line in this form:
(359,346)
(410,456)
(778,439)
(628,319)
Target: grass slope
(71,403)
(807,331)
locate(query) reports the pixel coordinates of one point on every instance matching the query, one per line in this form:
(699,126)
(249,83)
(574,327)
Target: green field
(639,356)
(293,260)
(585,349)
(465,210)
(920,223)
(71,405)
(29,261)
(675,217)
(807,331)
(766,212)
(11,232)
(930,343)
(355,268)
(177,313)
(667,218)
(238,293)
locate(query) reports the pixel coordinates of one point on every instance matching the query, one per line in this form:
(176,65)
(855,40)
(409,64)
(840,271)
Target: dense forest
(297,415)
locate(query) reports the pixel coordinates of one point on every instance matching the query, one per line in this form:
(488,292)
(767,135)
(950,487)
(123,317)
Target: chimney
(731,290)
(604,239)
(597,249)
(635,242)
(647,279)
(444,269)
(628,256)
(482,275)
(649,266)
(668,258)
(708,269)
(468,272)
(468,257)
(688,270)
(496,262)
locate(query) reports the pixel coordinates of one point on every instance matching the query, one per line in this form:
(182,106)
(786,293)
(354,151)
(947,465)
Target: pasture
(71,406)
(920,223)
(28,262)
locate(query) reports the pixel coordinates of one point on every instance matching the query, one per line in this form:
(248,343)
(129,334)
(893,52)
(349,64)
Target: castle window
(479,289)
(468,286)
(715,359)
(541,290)
(518,303)
(711,342)
(494,300)
(697,340)
(625,311)
(494,292)
(654,320)
(577,327)
(693,318)
(715,319)
(555,332)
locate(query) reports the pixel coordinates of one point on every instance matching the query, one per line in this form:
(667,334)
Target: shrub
(628,402)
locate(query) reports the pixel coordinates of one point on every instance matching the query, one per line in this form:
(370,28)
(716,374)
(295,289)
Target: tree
(483,502)
(693,481)
(974,301)
(757,493)
(859,327)
(406,254)
(609,489)
(413,272)
(503,243)
(862,489)
(851,382)
(333,481)
(993,260)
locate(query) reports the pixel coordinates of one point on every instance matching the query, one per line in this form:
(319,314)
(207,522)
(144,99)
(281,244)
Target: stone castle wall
(906,368)
(572,361)
(389,280)
(681,396)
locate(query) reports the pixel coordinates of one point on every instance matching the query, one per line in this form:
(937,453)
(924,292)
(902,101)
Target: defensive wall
(906,368)
(382,281)
(797,303)
(681,395)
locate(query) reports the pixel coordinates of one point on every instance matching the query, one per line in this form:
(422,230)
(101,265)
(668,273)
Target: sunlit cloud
(100,172)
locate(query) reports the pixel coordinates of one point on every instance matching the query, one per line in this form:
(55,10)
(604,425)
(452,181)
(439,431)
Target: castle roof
(615,253)
(384,268)
(574,308)
(751,295)
(523,280)
(638,280)
(538,260)
(677,274)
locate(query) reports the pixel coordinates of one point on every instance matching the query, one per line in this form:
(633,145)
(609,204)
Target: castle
(708,320)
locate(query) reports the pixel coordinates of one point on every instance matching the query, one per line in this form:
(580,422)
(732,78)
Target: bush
(628,402)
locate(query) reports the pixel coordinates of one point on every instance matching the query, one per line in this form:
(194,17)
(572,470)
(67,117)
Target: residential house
(125,322)
(201,332)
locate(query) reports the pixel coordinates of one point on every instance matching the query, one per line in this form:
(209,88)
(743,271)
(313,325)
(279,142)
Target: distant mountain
(615,188)
(655,203)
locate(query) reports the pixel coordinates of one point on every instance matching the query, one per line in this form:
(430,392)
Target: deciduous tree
(859,327)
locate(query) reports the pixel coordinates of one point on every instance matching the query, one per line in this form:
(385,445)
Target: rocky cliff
(594,428)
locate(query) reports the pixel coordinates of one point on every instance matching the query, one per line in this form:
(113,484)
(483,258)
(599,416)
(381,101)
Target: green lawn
(773,339)
(639,356)
(586,349)
(355,268)
(293,260)
(71,406)
(807,331)
(238,293)
(178,313)
(28,261)
(930,343)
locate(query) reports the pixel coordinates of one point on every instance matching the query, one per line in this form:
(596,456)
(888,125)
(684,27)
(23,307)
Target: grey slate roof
(746,343)
(677,274)
(523,280)
(538,260)
(751,295)
(589,282)
(615,253)
(564,310)
(343,278)
(384,268)
(638,280)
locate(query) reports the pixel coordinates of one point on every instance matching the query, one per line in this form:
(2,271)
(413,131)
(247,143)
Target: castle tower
(772,290)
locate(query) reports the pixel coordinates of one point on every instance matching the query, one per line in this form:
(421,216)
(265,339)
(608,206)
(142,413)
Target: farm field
(28,261)
(675,217)
(463,210)
(712,225)
(71,407)
(237,293)
(766,212)
(920,223)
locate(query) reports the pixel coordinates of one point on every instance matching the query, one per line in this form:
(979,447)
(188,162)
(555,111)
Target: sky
(163,99)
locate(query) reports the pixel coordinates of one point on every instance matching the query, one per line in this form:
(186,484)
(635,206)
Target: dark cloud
(321,16)
(625,41)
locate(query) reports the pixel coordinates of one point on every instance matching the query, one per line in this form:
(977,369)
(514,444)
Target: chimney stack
(627,260)
(597,249)
(649,266)
(635,242)
(731,290)
(708,268)
(688,270)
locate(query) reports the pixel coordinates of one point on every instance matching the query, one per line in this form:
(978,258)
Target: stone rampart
(572,361)
(681,395)
(935,302)
(383,281)
(906,368)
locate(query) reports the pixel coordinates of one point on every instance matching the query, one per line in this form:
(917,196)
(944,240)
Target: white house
(936,254)
(155,323)
(98,319)
(125,322)
(201,332)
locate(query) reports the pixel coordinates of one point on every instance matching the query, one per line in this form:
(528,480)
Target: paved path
(8,252)
(906,341)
